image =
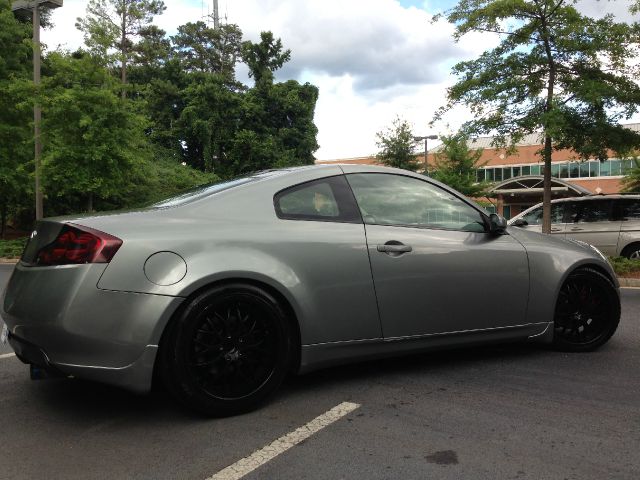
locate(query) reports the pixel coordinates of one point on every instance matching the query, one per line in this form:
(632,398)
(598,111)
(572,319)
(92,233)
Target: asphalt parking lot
(511,412)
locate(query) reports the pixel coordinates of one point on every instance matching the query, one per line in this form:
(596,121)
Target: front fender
(551,261)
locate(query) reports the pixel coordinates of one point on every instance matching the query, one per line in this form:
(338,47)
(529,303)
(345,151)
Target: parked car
(609,222)
(224,290)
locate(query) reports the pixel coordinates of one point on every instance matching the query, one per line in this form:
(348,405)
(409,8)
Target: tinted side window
(386,199)
(534,217)
(631,209)
(592,211)
(327,199)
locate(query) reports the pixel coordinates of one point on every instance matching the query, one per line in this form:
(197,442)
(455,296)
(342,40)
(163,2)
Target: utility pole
(216,17)
(34,6)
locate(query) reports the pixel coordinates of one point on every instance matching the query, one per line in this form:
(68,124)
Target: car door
(593,222)
(435,269)
(558,224)
(321,238)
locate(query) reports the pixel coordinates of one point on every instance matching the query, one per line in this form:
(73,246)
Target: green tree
(456,165)
(94,143)
(554,71)
(265,57)
(117,25)
(397,146)
(16,147)
(207,123)
(631,181)
(202,48)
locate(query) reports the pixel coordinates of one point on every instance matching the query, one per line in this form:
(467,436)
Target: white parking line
(7,355)
(260,457)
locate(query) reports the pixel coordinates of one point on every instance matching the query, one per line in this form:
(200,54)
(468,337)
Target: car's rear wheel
(587,311)
(631,251)
(228,350)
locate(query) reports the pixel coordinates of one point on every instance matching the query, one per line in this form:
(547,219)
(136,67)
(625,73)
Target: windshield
(203,191)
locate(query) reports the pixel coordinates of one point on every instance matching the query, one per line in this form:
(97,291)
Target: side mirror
(497,224)
(521,222)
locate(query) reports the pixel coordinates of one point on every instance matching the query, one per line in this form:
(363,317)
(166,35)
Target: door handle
(576,229)
(394,247)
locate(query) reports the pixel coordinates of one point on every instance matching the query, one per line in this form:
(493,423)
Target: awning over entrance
(519,193)
(532,185)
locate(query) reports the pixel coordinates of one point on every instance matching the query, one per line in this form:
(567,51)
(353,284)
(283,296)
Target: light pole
(34,6)
(419,139)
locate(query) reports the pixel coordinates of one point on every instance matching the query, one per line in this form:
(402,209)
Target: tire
(587,312)
(227,351)
(631,251)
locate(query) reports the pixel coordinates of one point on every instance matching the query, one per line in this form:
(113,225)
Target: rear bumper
(59,319)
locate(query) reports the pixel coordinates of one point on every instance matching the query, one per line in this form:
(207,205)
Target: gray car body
(105,321)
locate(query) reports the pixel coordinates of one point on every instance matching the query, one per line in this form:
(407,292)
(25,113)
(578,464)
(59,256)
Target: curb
(629,282)
(8,261)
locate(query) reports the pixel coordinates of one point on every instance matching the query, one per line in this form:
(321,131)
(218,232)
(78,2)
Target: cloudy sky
(373,60)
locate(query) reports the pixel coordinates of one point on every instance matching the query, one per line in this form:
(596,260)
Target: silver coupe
(223,291)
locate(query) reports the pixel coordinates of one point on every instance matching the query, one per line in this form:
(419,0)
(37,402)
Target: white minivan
(609,222)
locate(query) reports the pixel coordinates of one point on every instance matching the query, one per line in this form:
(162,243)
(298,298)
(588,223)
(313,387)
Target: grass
(625,267)
(12,248)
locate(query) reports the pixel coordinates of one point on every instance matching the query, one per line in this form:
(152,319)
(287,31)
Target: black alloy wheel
(587,311)
(228,351)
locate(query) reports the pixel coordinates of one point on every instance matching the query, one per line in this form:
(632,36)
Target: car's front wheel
(228,350)
(587,311)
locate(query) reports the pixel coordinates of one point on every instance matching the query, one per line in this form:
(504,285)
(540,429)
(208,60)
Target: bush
(624,266)
(12,248)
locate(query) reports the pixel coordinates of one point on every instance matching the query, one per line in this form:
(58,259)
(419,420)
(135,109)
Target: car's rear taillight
(76,245)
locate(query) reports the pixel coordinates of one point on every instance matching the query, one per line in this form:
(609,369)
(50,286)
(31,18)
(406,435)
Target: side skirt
(320,355)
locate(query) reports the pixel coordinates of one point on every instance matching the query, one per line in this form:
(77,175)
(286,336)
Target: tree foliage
(456,166)
(16,145)
(117,25)
(93,140)
(397,146)
(186,121)
(554,71)
(631,181)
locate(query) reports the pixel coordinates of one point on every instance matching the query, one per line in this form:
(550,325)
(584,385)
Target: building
(516,178)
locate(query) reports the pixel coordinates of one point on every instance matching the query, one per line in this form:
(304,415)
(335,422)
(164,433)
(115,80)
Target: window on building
(526,170)
(605,168)
(489,174)
(584,169)
(555,170)
(564,170)
(615,167)
(627,165)
(506,173)
(516,171)
(574,170)
(594,168)
(535,170)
